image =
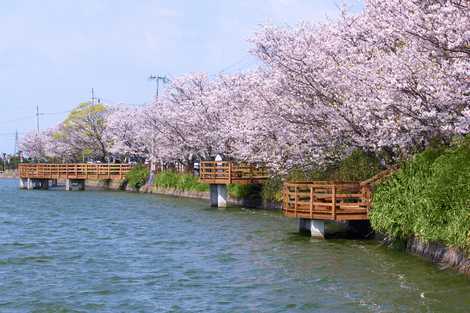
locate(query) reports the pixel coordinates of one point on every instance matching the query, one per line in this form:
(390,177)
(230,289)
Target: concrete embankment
(447,257)
(8,174)
(435,252)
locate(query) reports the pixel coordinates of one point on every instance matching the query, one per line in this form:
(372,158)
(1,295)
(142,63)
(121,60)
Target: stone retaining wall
(440,254)
(205,195)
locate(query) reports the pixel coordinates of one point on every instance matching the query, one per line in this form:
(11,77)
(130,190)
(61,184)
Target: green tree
(83,131)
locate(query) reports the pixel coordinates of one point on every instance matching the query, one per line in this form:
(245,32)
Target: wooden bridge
(327,200)
(73,171)
(228,172)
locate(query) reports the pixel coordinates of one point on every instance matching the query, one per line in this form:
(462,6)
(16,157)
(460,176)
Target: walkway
(73,171)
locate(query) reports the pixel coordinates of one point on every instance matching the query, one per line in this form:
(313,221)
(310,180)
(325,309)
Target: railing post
(311,202)
(295,201)
(285,197)
(333,201)
(366,197)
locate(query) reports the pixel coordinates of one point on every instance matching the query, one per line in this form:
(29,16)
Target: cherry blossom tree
(33,145)
(368,81)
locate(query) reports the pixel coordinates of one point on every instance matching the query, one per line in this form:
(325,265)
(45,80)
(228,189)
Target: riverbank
(440,254)
(9,174)
(437,253)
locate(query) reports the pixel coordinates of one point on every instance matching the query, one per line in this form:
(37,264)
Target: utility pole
(4,161)
(37,118)
(157,79)
(93,96)
(16,142)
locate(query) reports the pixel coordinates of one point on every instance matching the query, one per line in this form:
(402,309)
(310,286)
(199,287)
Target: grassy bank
(428,198)
(179,181)
(137,176)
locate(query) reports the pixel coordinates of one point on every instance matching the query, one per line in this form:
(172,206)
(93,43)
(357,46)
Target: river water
(120,252)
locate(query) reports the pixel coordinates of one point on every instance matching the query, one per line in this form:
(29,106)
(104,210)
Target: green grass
(429,197)
(137,176)
(179,181)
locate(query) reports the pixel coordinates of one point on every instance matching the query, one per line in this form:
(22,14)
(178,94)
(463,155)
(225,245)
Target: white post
(316,228)
(22,183)
(29,184)
(219,195)
(222,193)
(68,184)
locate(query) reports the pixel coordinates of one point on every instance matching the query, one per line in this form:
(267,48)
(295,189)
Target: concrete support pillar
(78,183)
(321,229)
(53,182)
(222,196)
(219,195)
(29,184)
(316,228)
(23,182)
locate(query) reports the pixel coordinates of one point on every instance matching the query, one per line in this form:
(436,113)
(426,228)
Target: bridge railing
(327,200)
(73,171)
(228,172)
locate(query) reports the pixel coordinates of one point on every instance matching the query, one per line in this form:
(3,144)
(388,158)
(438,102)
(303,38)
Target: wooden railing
(327,200)
(228,172)
(74,171)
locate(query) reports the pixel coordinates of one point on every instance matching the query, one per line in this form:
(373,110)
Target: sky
(53,52)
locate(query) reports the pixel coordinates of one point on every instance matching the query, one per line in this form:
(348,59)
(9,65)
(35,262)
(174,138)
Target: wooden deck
(327,200)
(73,171)
(228,172)
(331,200)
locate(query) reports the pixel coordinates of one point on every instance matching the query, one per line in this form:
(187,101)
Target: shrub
(358,166)
(428,198)
(137,176)
(272,189)
(240,191)
(180,181)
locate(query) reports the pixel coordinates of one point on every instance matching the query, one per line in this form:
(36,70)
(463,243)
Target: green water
(119,252)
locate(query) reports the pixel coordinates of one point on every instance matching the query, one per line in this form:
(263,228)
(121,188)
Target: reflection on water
(119,252)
